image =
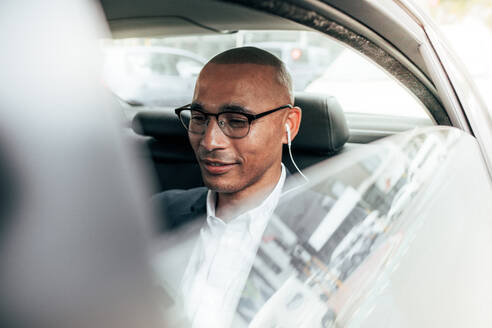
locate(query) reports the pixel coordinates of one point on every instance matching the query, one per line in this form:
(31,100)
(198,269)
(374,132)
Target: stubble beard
(231,188)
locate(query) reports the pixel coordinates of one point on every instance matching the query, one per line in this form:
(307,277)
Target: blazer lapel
(200,206)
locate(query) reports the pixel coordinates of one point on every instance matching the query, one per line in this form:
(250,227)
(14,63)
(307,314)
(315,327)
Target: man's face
(248,164)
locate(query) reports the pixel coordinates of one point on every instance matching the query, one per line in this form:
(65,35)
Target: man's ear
(293,120)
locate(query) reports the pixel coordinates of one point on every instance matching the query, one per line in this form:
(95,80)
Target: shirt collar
(262,212)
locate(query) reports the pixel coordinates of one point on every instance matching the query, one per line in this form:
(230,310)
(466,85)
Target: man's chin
(221,187)
(222,183)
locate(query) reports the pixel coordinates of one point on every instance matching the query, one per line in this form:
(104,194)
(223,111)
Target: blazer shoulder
(179,195)
(177,206)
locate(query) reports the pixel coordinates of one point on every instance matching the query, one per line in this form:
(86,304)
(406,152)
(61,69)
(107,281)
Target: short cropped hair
(253,55)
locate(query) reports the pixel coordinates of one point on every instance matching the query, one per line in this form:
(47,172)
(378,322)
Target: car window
(300,56)
(276,51)
(363,87)
(317,63)
(163,64)
(332,243)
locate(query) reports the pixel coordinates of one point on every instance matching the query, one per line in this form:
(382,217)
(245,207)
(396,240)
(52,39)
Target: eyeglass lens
(235,125)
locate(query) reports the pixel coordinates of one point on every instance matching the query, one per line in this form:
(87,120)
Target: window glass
(163,64)
(159,66)
(276,52)
(332,243)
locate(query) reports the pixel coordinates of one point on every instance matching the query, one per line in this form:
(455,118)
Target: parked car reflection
(151,76)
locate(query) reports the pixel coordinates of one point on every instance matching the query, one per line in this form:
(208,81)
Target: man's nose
(213,137)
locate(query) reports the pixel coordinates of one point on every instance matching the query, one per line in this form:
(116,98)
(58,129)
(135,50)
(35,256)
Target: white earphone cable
(289,142)
(295,165)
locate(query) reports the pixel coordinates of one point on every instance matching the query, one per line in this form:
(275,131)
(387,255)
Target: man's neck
(231,205)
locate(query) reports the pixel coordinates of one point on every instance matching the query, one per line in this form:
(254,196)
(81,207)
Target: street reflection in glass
(328,242)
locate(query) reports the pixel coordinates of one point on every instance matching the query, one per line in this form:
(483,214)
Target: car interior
(325,130)
(77,241)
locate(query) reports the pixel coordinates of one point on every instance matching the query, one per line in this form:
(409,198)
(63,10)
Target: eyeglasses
(232,123)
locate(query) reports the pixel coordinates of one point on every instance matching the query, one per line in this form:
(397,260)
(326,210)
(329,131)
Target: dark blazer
(301,212)
(175,208)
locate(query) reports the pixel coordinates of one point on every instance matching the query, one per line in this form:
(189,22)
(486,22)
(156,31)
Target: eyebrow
(196,105)
(234,108)
(224,108)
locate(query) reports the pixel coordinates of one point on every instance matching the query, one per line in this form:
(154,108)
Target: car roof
(285,45)
(151,18)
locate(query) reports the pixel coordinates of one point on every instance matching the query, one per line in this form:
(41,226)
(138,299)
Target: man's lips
(217,167)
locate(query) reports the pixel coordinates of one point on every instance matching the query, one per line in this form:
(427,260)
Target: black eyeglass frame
(250,117)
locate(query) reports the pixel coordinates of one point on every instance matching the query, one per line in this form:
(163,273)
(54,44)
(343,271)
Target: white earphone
(287,127)
(289,141)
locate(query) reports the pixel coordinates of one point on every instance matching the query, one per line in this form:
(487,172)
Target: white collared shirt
(221,261)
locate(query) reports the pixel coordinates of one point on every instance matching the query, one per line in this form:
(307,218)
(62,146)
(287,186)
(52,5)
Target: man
(241,115)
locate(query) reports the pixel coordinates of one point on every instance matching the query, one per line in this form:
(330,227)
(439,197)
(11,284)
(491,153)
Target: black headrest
(323,127)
